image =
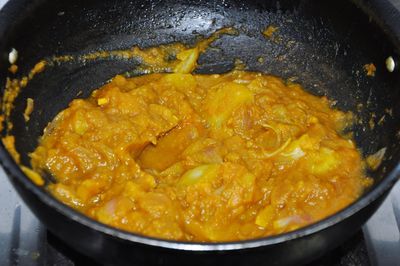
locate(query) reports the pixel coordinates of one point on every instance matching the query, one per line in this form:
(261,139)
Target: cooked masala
(206,158)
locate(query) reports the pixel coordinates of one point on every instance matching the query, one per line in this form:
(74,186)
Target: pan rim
(13,170)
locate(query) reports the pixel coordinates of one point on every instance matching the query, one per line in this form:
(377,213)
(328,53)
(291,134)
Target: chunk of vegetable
(223,101)
(80,124)
(102,101)
(265,216)
(202,173)
(323,161)
(89,188)
(188,60)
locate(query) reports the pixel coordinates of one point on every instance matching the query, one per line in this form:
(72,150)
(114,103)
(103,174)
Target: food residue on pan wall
(13,88)
(375,160)
(1,122)
(382,120)
(153,59)
(370,69)
(13,68)
(33,175)
(239,64)
(389,111)
(167,58)
(360,107)
(9,144)
(38,68)
(28,109)
(371,121)
(162,58)
(269,31)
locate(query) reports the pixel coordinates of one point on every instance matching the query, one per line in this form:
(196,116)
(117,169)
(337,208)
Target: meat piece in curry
(202,157)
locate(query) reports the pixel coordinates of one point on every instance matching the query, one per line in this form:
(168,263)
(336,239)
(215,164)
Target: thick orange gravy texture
(202,157)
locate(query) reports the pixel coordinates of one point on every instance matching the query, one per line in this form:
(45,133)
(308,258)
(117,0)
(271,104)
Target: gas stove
(25,241)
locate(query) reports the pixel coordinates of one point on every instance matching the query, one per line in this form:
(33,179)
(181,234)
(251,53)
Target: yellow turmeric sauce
(202,157)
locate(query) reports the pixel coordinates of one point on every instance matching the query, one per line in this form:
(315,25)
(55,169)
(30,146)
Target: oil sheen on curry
(206,158)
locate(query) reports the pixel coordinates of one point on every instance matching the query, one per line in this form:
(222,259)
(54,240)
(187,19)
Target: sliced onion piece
(277,151)
(278,135)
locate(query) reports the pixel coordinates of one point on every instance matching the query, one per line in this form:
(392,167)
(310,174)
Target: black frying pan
(332,41)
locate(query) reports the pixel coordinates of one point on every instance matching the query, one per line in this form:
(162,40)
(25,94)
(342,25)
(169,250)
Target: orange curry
(202,157)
